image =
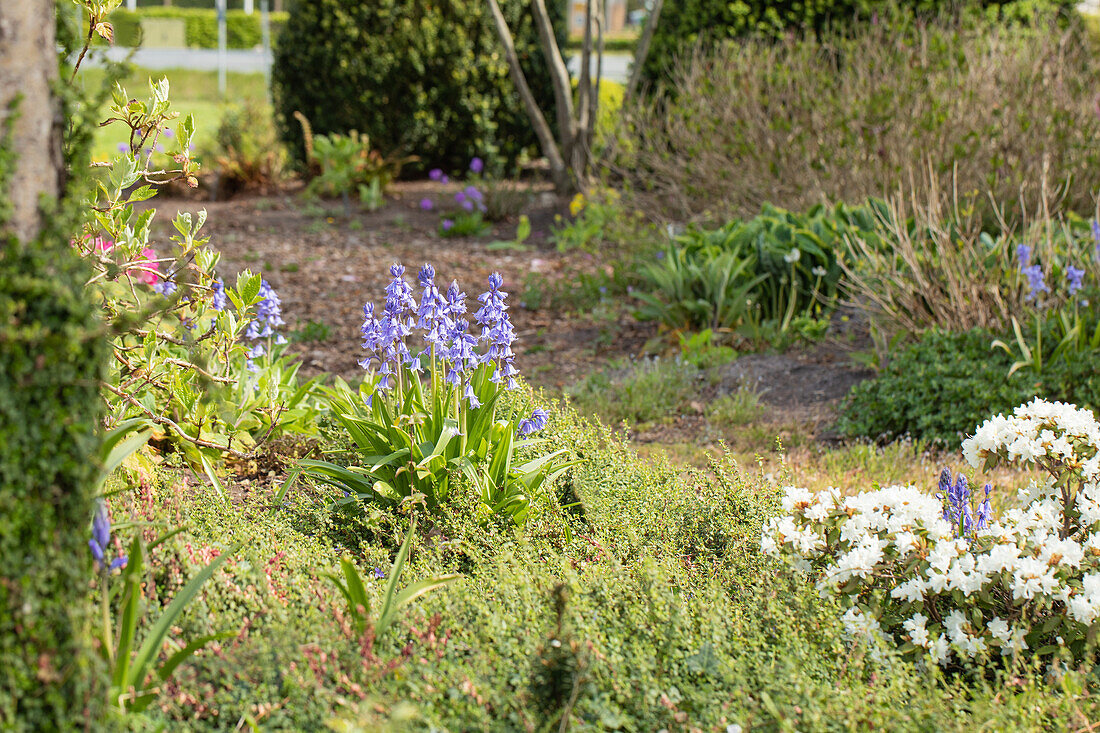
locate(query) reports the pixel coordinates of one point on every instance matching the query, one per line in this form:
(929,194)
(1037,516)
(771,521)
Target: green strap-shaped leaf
(150,648)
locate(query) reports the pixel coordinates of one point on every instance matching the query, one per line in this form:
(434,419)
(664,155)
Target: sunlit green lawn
(192,92)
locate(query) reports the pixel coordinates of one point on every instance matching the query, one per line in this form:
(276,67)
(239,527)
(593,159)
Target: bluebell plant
(428,411)
(956,497)
(100,542)
(466,216)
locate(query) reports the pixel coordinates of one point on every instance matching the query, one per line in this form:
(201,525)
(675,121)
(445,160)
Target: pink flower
(144,275)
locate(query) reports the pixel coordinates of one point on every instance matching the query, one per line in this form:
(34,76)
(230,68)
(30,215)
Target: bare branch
(558,170)
(559,73)
(641,53)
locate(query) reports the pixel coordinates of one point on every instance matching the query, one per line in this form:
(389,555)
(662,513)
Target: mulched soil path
(325,266)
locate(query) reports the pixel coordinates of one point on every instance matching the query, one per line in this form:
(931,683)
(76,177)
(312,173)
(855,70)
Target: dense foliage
(426,79)
(242,30)
(690,24)
(48,419)
(945,383)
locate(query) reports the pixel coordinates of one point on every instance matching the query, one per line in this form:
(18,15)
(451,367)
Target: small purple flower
(445,180)
(379,574)
(1075,278)
(538,420)
(468,205)
(1023,255)
(985,509)
(477,165)
(435,174)
(447,225)
(460,197)
(101,539)
(471,398)
(660,254)
(164,287)
(123,148)
(427,204)
(1035,284)
(167,132)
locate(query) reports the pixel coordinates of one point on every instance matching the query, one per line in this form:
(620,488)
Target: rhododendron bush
(940,578)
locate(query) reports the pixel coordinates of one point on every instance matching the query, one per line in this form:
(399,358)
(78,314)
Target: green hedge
(424,79)
(242,30)
(946,384)
(51,350)
(685,23)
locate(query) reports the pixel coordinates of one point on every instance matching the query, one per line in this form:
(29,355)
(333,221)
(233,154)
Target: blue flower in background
(1023,255)
(219,301)
(1074,278)
(1035,283)
(477,165)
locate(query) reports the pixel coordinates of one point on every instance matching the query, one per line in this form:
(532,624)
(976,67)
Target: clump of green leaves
(762,279)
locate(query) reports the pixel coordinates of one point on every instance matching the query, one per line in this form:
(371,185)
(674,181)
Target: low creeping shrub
(937,387)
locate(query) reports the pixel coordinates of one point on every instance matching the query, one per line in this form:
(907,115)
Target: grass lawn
(192,92)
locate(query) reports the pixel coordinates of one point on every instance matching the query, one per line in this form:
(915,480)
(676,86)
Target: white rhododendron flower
(938,573)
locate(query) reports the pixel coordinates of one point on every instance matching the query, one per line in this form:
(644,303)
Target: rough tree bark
(28,68)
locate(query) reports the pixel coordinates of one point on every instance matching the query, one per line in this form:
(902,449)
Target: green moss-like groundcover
(671,618)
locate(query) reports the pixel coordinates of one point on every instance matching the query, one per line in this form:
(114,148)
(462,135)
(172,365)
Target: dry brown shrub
(843,119)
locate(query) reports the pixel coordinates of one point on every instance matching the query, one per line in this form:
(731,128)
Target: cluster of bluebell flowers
(269,316)
(451,346)
(955,495)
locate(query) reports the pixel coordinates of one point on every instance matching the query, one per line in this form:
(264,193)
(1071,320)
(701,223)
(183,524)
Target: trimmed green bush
(686,24)
(242,31)
(945,384)
(425,79)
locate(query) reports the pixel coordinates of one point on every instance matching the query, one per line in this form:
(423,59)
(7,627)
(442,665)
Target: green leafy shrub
(991,109)
(755,276)
(247,151)
(417,78)
(946,383)
(242,31)
(707,23)
(348,164)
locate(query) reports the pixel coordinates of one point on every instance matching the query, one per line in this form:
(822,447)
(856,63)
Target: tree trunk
(51,349)
(28,66)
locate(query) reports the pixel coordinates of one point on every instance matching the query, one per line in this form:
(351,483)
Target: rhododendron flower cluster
(923,570)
